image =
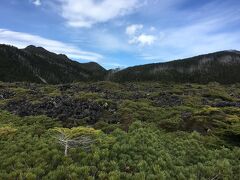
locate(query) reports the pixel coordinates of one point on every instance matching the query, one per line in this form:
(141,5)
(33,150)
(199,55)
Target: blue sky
(121,33)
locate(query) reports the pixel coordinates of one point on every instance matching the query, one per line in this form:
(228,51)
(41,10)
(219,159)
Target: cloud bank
(22,40)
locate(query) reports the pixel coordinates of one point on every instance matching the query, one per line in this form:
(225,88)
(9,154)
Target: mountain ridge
(36,64)
(221,66)
(187,58)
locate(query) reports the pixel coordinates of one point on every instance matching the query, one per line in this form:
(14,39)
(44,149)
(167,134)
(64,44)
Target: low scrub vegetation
(107,130)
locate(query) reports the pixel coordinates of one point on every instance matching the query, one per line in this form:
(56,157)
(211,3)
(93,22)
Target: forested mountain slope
(35,64)
(222,67)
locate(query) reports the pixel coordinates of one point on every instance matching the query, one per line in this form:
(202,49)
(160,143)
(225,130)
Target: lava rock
(62,108)
(226,104)
(64,87)
(139,95)
(6,94)
(167,100)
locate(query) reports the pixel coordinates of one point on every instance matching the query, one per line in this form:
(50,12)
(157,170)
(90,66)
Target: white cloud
(22,40)
(146,39)
(152,28)
(143,39)
(138,36)
(85,13)
(37,2)
(132,29)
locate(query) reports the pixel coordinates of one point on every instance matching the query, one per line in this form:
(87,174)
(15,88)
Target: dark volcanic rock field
(207,109)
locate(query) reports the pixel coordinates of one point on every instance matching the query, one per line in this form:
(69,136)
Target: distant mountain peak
(33,48)
(30,47)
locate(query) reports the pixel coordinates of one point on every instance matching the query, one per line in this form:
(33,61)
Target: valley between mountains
(60,119)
